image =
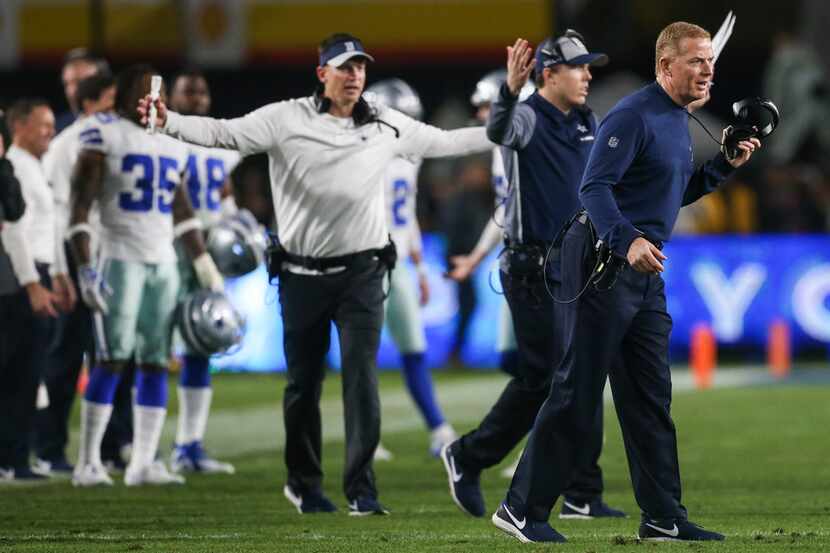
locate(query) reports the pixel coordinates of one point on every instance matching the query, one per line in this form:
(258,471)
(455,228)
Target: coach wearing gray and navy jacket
(546,141)
(328,154)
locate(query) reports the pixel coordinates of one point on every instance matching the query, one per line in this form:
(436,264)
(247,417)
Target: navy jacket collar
(549,109)
(658,91)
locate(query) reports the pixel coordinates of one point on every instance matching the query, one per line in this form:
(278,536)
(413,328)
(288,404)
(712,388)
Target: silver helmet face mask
(396,94)
(209,324)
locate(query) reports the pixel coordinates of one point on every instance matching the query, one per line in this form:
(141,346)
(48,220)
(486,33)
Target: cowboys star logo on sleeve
(613,142)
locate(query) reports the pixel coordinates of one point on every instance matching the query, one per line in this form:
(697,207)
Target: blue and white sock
(195,395)
(419,383)
(150,411)
(96,409)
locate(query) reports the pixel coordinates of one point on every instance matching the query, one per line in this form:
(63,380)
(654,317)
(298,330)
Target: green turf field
(754,459)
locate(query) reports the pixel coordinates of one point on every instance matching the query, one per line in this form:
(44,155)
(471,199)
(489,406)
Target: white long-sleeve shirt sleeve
(420,140)
(31,239)
(258,131)
(14,242)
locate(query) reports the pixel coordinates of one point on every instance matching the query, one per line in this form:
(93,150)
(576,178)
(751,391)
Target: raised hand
(519,65)
(144,111)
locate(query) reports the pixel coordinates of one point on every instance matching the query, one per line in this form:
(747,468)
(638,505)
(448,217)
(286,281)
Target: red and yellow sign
(278,30)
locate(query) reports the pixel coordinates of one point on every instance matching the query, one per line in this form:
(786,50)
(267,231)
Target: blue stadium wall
(737,285)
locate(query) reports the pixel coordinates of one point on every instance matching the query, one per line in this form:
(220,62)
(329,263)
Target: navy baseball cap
(570,49)
(341,51)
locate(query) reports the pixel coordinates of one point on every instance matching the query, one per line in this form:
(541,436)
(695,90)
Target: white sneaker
(155,473)
(6,475)
(212,466)
(193,458)
(383,454)
(91,475)
(442,435)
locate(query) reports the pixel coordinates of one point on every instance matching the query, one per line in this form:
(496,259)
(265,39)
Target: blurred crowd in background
(775,52)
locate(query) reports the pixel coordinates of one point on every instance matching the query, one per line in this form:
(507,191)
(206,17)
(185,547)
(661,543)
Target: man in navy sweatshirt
(545,142)
(640,172)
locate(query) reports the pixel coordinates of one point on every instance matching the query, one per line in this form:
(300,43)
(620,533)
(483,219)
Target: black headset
(553,48)
(749,112)
(362,113)
(750,122)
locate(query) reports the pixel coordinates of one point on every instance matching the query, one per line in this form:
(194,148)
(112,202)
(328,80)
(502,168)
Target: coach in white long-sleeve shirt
(27,314)
(328,154)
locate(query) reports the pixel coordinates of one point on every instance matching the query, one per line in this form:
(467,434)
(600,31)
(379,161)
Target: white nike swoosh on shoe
(353,505)
(519,524)
(456,476)
(296,500)
(586,510)
(672,533)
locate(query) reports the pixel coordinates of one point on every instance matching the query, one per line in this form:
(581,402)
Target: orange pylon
(83,380)
(703,355)
(779,351)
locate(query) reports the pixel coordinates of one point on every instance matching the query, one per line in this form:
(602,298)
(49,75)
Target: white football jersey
(401,189)
(207,169)
(59,163)
(143,171)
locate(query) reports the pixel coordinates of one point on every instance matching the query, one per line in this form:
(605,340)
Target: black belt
(275,256)
(324,263)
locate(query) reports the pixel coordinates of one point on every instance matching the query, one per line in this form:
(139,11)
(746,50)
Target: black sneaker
(526,531)
(464,485)
(26,473)
(365,506)
(596,508)
(59,465)
(308,502)
(675,530)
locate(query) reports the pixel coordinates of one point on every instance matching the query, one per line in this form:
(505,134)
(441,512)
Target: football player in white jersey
(136,179)
(209,187)
(486,92)
(93,94)
(403,315)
